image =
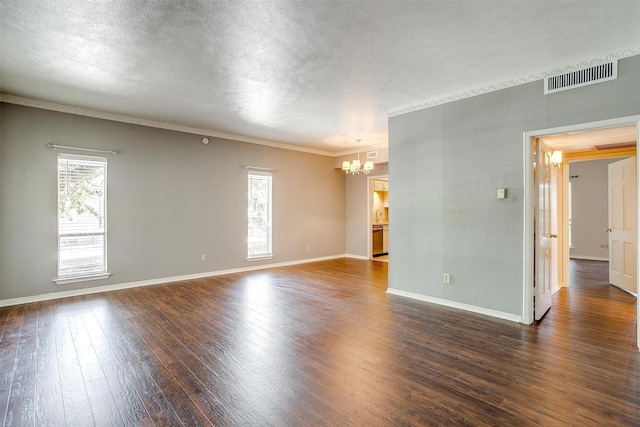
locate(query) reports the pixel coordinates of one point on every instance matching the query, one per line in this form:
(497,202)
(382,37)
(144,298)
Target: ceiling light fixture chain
(354,167)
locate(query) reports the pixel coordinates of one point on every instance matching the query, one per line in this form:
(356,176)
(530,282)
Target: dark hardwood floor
(317,344)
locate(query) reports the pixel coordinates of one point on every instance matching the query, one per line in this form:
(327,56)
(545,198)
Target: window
(82,221)
(259,216)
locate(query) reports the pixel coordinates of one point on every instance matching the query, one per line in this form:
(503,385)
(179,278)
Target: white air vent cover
(372,155)
(582,77)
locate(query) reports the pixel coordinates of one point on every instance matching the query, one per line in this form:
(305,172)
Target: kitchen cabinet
(380,185)
(381,191)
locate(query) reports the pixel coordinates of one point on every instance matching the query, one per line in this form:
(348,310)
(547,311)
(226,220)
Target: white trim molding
(513,82)
(362,150)
(357,257)
(458,305)
(44,105)
(589,258)
(159,281)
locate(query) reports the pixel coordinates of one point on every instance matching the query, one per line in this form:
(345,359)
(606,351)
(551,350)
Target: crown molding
(513,82)
(44,105)
(362,150)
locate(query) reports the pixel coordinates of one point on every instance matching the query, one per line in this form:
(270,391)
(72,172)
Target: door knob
(554,236)
(608,230)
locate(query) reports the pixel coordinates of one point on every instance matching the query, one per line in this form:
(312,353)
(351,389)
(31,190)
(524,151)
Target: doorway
(603,225)
(531,140)
(379,218)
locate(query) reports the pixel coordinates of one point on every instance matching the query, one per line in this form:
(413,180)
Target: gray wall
(170,199)
(446,163)
(1,204)
(358,209)
(589,207)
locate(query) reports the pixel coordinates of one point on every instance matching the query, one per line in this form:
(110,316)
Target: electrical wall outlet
(203,257)
(446,278)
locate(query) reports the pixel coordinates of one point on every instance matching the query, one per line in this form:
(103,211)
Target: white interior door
(543,234)
(622,224)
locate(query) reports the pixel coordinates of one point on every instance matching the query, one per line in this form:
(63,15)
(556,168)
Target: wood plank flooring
(317,344)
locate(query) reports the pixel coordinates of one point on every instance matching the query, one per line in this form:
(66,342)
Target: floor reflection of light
(260,311)
(321,341)
(261,347)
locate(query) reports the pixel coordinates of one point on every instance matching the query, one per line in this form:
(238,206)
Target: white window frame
(79,276)
(267,228)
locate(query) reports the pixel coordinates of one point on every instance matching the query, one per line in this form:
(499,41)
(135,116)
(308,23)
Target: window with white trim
(259,233)
(82,217)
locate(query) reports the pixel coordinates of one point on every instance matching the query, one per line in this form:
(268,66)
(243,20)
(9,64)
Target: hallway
(592,312)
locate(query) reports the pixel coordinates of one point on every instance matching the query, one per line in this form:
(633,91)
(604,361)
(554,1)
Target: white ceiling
(315,74)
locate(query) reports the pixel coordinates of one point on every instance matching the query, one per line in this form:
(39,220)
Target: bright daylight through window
(82,241)
(259,216)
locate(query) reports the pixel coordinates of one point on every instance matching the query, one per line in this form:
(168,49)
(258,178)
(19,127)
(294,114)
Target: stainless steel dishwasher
(377,240)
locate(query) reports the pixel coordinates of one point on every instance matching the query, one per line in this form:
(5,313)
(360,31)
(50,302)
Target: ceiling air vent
(581,77)
(372,155)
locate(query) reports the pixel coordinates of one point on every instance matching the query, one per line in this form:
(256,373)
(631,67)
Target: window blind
(259,236)
(81,216)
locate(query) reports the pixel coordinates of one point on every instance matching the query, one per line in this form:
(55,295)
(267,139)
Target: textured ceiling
(589,140)
(316,74)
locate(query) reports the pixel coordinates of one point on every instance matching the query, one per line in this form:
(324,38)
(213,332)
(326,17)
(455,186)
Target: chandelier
(354,166)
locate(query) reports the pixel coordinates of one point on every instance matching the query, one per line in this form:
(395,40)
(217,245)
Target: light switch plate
(502,193)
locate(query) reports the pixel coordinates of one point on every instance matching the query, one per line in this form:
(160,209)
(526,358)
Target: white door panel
(544,234)
(622,224)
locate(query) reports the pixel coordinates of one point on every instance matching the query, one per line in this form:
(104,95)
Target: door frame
(529,194)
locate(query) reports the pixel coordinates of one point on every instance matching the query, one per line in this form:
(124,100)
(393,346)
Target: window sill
(76,279)
(259,258)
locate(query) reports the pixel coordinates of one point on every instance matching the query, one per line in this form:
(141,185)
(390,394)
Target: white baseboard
(589,258)
(162,280)
(626,290)
(357,257)
(459,305)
